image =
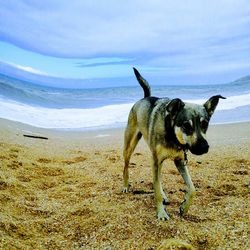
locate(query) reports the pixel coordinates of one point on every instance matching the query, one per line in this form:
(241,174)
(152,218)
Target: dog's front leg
(161,212)
(183,169)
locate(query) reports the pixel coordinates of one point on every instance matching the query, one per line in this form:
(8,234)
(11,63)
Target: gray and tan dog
(170,128)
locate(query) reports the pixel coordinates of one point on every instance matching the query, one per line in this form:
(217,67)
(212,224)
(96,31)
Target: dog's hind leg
(182,167)
(132,137)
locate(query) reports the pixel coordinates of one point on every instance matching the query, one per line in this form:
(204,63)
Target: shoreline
(101,128)
(94,129)
(226,135)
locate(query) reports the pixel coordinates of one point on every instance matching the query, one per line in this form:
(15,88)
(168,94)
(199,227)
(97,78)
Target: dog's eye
(204,125)
(187,127)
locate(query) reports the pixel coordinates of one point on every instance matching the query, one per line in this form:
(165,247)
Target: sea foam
(78,118)
(111,115)
(231,102)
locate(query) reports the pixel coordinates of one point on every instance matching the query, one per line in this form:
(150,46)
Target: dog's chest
(168,153)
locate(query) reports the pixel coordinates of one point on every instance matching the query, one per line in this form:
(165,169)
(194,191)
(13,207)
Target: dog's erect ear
(211,104)
(175,106)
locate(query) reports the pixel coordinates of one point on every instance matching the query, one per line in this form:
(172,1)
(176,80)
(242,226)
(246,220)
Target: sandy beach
(65,192)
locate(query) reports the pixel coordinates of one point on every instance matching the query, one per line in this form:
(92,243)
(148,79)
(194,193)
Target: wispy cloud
(30,69)
(27,68)
(104,61)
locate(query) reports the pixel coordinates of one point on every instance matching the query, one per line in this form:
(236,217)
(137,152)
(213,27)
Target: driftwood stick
(36,137)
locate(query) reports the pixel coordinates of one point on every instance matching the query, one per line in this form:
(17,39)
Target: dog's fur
(170,128)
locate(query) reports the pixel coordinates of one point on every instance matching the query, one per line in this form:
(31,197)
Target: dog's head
(190,122)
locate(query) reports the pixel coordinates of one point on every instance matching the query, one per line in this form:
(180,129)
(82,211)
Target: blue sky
(170,42)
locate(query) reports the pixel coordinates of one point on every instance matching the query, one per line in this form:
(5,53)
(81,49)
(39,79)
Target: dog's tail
(144,84)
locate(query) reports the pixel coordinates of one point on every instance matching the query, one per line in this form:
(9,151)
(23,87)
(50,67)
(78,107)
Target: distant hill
(245,79)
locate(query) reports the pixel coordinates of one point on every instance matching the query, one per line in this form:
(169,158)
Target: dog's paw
(125,190)
(165,201)
(162,215)
(184,208)
(182,211)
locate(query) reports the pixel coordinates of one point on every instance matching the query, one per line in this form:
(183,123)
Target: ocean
(83,109)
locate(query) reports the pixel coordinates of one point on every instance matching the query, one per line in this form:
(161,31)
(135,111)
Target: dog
(170,127)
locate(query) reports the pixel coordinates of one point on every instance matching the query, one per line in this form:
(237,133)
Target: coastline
(238,132)
(65,192)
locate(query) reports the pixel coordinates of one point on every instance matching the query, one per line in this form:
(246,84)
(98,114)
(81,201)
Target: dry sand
(65,192)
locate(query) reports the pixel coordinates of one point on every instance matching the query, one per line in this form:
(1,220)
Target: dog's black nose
(201,147)
(204,147)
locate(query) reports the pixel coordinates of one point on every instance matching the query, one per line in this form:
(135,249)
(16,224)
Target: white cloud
(27,68)
(30,69)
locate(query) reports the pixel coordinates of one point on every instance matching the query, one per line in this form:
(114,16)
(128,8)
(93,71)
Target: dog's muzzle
(201,147)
